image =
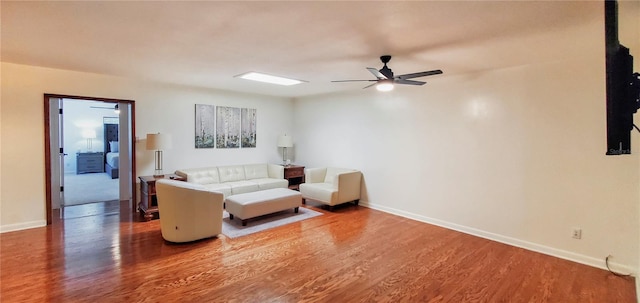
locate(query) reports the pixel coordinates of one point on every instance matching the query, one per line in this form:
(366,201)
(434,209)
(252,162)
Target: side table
(295,175)
(148,205)
(89,162)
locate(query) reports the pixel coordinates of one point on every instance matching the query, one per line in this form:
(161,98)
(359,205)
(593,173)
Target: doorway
(93,142)
(91,152)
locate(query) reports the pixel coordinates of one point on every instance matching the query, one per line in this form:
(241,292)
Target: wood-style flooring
(105,253)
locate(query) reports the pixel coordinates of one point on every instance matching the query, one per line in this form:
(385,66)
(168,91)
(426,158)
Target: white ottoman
(258,203)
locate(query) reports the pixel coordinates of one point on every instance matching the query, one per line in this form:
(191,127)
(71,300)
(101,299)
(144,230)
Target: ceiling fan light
(384,86)
(269,79)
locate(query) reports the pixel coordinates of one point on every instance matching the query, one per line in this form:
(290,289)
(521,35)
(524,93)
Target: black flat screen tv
(623,86)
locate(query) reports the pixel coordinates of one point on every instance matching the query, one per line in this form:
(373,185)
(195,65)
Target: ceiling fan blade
(353,80)
(410,82)
(370,85)
(377,73)
(421,74)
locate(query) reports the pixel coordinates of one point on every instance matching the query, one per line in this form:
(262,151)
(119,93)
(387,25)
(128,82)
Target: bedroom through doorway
(91,161)
(89,148)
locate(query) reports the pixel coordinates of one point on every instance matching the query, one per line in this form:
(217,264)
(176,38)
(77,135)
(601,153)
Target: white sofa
(237,179)
(187,211)
(331,185)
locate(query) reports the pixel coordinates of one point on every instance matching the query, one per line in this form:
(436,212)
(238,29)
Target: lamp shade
(285,141)
(89,134)
(158,141)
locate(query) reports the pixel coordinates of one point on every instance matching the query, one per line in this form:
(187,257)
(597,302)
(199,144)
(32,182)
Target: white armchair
(331,185)
(188,212)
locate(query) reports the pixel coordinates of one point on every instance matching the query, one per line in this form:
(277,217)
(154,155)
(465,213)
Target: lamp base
(158,173)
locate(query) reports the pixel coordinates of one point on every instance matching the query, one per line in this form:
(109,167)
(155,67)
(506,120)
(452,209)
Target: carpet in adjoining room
(89,188)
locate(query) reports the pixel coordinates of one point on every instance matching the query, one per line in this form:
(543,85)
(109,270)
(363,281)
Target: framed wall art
(227,127)
(248,127)
(205,126)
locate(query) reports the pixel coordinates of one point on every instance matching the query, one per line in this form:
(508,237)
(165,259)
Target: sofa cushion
(269,183)
(231,173)
(275,171)
(206,175)
(256,171)
(235,179)
(241,187)
(223,188)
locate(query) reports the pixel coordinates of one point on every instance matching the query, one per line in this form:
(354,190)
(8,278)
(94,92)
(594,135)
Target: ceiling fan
(114,108)
(386,79)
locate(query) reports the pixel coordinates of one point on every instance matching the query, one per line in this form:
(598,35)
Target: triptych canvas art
(225,127)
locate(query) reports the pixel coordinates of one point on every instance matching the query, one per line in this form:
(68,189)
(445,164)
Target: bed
(111,150)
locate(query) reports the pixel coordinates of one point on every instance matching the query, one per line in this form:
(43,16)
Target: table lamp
(89,134)
(158,142)
(285,141)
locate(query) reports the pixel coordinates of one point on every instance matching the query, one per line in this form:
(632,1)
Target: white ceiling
(206,44)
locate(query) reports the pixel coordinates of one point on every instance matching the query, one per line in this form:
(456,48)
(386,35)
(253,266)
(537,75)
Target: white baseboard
(559,253)
(21,226)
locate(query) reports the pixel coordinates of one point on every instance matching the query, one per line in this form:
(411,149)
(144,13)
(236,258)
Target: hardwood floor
(104,254)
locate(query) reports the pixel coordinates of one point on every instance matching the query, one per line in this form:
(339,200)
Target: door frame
(47,147)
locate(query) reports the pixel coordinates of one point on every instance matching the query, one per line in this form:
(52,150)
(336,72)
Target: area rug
(234,229)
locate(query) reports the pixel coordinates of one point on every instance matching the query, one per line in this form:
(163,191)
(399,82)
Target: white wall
(516,155)
(629,35)
(159,108)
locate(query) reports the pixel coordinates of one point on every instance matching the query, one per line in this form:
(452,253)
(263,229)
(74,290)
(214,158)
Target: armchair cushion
(320,192)
(188,211)
(332,172)
(315,175)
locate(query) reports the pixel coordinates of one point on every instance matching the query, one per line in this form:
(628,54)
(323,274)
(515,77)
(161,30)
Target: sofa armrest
(314,175)
(348,185)
(275,171)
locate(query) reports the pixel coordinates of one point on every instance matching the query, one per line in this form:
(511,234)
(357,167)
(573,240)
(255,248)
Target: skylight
(269,79)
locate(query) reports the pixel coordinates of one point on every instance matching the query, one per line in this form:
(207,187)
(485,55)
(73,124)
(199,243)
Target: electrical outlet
(576,233)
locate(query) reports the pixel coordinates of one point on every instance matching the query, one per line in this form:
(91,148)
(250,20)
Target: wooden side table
(148,205)
(295,175)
